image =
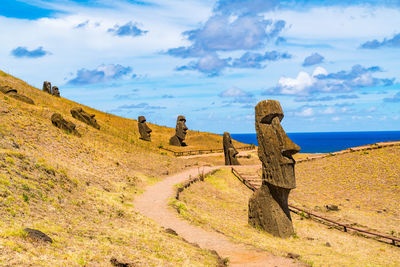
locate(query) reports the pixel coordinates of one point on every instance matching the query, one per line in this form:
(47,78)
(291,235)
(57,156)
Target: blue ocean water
(328,142)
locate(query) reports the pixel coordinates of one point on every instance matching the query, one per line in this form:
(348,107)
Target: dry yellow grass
(80,190)
(220,203)
(364,184)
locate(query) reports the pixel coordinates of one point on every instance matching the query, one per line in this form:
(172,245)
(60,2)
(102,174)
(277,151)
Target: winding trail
(153,203)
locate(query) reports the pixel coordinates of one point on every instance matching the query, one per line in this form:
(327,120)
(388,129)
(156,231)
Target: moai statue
(268,206)
(63,124)
(180,132)
(144,130)
(79,114)
(55,91)
(229,150)
(47,87)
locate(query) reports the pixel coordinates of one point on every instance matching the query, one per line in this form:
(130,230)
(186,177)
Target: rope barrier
(345,227)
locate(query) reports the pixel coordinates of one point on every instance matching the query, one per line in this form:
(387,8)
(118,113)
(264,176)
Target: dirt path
(154,204)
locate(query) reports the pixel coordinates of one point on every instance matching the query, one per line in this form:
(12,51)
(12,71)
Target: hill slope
(79,190)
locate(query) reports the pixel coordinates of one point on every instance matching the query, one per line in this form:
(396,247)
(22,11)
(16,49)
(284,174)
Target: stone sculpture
(47,87)
(61,123)
(144,130)
(11,92)
(268,206)
(229,150)
(80,114)
(180,132)
(56,91)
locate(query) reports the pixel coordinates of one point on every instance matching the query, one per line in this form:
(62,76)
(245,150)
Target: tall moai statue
(268,206)
(56,91)
(229,150)
(47,87)
(144,130)
(180,132)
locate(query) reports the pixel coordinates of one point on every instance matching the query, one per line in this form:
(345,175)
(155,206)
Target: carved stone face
(181,128)
(229,150)
(56,91)
(47,87)
(144,130)
(275,148)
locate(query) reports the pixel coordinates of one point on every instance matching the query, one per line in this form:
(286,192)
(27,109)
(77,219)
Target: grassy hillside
(365,185)
(79,190)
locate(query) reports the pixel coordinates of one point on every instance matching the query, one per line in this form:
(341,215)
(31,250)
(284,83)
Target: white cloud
(307,112)
(301,84)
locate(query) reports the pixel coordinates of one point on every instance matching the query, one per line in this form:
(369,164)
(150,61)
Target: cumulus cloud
(209,64)
(237,95)
(129,29)
(255,60)
(234,25)
(394,99)
(221,33)
(313,59)
(21,52)
(375,44)
(101,74)
(140,106)
(320,81)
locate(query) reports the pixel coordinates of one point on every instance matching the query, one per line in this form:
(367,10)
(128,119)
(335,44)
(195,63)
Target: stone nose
(289,147)
(184,127)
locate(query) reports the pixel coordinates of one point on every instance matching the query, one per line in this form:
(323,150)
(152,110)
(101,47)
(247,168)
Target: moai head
(275,149)
(144,130)
(47,87)
(181,128)
(229,151)
(55,91)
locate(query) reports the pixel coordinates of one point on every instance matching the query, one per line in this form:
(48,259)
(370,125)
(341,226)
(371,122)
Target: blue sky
(333,65)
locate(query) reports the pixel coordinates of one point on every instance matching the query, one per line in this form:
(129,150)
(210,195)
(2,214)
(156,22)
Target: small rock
(293,255)
(379,211)
(171,231)
(331,207)
(327,244)
(37,235)
(117,263)
(310,238)
(358,206)
(317,208)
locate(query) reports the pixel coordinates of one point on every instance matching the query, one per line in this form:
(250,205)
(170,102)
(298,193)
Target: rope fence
(203,151)
(311,215)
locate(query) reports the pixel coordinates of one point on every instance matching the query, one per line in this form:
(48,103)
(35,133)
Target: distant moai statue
(229,150)
(180,132)
(79,114)
(47,87)
(58,121)
(268,206)
(56,91)
(144,130)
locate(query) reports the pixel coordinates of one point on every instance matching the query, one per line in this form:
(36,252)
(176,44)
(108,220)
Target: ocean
(328,141)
